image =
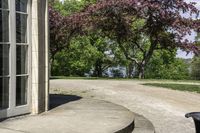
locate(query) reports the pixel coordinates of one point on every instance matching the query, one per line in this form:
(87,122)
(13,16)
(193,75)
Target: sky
(181,54)
(197,2)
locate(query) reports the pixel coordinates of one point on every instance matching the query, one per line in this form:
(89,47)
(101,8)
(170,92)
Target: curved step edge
(128,129)
(143,125)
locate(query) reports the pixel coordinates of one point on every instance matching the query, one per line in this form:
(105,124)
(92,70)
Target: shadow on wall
(59,99)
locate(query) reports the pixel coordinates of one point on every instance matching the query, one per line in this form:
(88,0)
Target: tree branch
(143,51)
(127,55)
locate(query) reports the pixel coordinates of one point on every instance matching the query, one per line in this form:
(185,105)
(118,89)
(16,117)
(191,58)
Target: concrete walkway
(77,116)
(163,107)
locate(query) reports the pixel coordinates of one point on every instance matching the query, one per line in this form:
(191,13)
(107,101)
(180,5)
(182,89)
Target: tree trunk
(130,70)
(98,69)
(141,71)
(51,66)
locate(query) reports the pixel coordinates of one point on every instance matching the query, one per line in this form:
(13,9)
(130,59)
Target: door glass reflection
(21,90)
(4,93)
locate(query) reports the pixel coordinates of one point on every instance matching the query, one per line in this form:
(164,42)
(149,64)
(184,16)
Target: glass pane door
(14,53)
(4,55)
(21,53)
(21,81)
(4,76)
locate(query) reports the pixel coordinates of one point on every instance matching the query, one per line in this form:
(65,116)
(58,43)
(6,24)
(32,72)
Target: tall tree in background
(195,68)
(164,26)
(66,27)
(63,25)
(104,60)
(66,22)
(77,60)
(195,65)
(165,65)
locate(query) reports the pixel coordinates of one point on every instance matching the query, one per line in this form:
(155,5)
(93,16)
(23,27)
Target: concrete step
(79,116)
(143,125)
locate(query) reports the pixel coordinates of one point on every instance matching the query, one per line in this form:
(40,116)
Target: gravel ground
(165,108)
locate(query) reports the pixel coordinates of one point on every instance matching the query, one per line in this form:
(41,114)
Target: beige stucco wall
(40,62)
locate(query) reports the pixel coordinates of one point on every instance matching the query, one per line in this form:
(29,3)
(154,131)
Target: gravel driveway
(163,107)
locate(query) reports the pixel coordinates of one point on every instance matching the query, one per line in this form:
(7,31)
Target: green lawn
(134,79)
(87,78)
(181,87)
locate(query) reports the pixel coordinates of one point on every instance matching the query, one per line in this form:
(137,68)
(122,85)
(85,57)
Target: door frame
(14,110)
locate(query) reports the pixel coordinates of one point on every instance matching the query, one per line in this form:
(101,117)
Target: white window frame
(14,110)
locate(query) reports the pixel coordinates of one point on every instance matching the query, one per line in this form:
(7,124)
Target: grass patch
(88,78)
(134,79)
(181,87)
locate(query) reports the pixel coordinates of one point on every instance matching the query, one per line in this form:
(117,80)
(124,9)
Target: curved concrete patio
(163,107)
(77,116)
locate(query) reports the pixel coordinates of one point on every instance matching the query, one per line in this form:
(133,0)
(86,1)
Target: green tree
(140,28)
(77,59)
(165,65)
(64,24)
(85,53)
(195,66)
(68,7)
(164,27)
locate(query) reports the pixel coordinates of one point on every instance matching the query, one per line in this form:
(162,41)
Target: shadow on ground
(59,99)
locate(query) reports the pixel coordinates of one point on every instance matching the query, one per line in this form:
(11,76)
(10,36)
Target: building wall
(40,65)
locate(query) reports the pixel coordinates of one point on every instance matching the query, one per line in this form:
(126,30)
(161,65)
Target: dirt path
(163,107)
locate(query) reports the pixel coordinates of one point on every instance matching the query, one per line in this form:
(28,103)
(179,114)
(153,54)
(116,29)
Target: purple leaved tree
(164,26)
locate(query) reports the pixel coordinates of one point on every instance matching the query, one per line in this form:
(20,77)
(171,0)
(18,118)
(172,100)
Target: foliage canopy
(127,23)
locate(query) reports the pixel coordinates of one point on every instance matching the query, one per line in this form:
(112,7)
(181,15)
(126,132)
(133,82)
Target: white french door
(14,57)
